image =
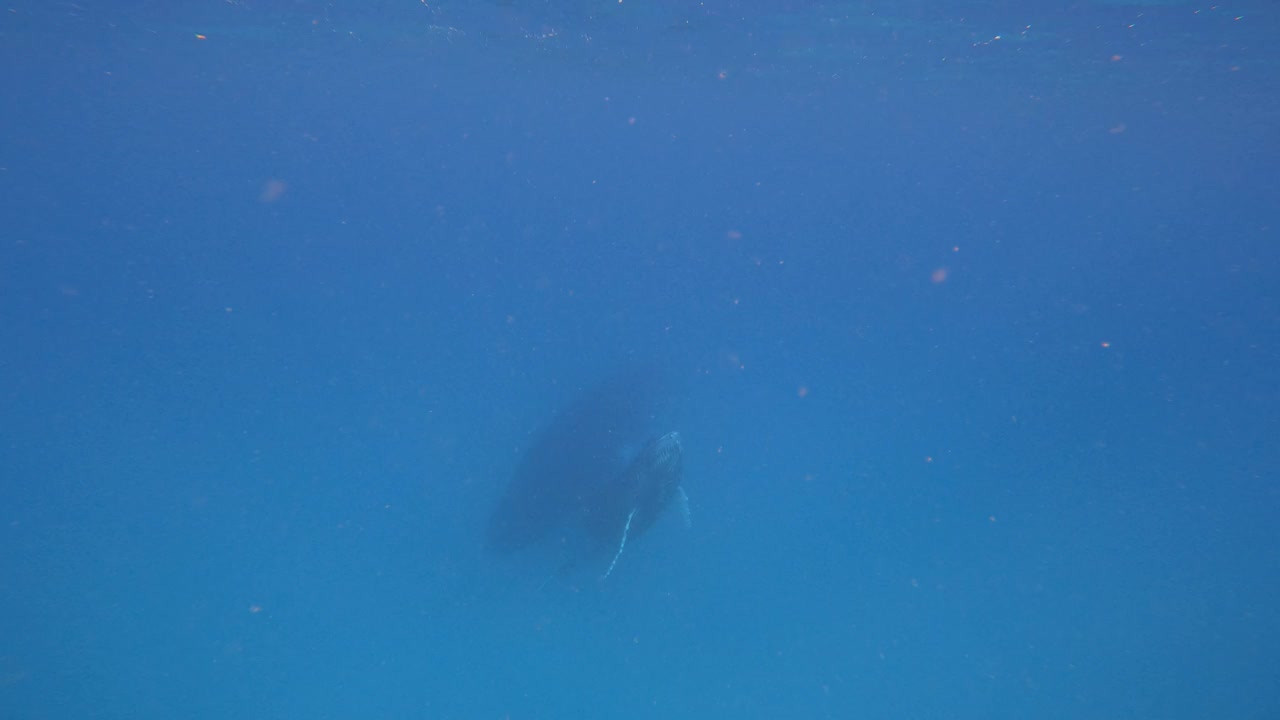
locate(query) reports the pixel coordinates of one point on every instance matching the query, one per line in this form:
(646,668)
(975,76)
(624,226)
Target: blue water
(973,308)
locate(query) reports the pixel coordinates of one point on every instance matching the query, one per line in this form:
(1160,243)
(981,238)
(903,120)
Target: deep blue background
(979,341)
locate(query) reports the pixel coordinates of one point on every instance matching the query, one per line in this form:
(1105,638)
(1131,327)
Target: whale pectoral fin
(682,502)
(626,529)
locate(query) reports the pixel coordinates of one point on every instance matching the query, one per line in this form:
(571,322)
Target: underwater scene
(524,359)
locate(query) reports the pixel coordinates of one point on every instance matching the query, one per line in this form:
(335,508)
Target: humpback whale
(631,503)
(581,476)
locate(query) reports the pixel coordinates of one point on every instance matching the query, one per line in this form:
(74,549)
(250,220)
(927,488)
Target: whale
(595,477)
(627,506)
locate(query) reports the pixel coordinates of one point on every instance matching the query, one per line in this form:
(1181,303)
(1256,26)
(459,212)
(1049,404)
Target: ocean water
(971,311)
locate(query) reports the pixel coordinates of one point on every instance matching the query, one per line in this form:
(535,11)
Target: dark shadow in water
(582,449)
